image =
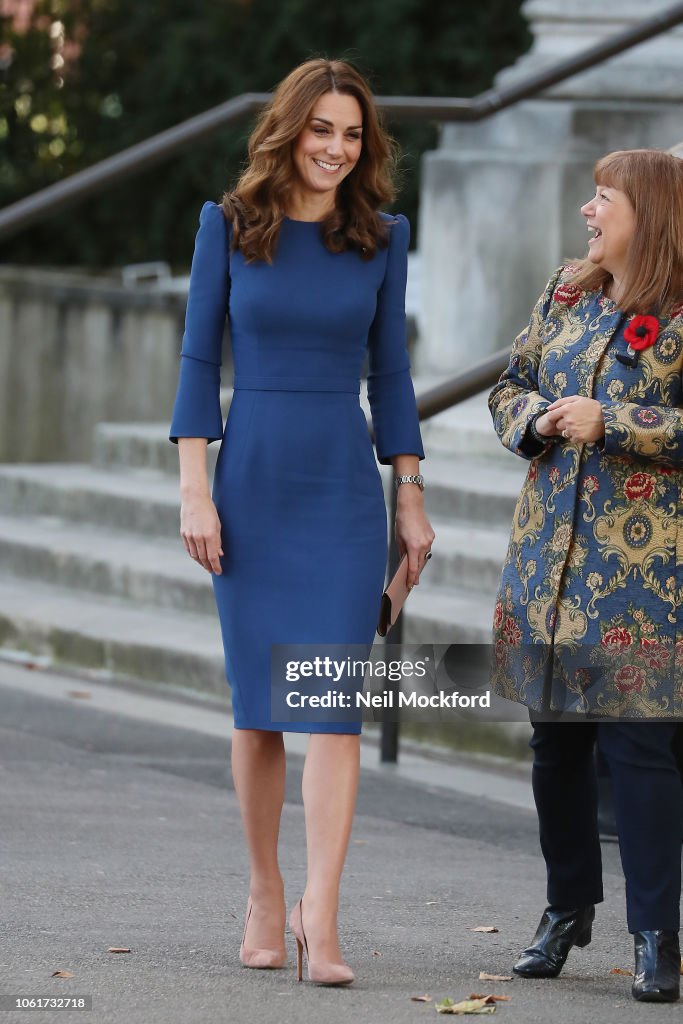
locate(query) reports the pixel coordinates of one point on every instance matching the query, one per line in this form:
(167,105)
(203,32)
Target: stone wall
(76,350)
(500,198)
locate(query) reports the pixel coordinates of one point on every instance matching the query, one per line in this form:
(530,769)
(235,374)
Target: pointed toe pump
(260,959)
(320,972)
(557,932)
(657,977)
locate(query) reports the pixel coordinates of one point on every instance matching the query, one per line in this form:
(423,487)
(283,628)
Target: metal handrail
(131,161)
(470,382)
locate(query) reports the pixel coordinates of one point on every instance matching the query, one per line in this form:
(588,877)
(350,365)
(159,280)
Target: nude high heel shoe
(260,959)
(319,971)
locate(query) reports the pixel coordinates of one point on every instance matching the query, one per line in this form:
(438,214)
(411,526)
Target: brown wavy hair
(653,183)
(256,206)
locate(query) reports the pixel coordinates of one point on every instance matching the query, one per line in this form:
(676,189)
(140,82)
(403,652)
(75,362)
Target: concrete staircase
(472,489)
(94,577)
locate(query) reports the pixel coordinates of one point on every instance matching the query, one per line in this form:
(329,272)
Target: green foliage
(145,66)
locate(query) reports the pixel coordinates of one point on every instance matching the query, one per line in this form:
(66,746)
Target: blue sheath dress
(296,486)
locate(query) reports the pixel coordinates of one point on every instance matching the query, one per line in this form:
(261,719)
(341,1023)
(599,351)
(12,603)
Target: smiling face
(329,146)
(611,221)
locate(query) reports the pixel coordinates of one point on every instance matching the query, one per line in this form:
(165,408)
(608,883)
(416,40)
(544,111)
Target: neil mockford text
(344,670)
(387,699)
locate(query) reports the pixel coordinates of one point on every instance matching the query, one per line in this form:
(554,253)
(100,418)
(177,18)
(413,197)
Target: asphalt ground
(119,828)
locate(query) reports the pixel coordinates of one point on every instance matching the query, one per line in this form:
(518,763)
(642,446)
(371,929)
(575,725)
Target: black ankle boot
(558,931)
(657,977)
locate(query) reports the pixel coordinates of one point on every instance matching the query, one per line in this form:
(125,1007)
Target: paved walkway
(119,827)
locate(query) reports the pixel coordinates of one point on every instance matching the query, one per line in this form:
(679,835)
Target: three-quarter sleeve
(390,388)
(197,410)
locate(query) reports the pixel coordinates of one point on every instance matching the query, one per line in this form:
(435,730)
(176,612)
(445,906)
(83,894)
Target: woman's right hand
(200,529)
(575,417)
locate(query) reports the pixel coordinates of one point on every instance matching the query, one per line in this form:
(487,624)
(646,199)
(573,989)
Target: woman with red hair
(588,622)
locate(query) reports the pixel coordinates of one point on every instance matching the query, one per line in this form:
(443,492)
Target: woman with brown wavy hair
(312,277)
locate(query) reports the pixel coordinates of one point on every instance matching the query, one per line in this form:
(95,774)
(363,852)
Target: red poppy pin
(640,334)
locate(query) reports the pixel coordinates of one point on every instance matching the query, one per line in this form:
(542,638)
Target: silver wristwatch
(416,478)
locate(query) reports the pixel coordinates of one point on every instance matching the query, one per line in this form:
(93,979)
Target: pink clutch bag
(393,598)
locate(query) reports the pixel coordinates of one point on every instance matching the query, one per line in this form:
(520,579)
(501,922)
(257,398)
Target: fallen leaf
(465,1006)
(81,694)
(62,974)
(483,976)
(490,998)
(621,970)
(484,928)
(118,949)
(421,999)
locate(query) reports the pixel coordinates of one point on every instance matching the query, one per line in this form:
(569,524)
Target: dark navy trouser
(648,802)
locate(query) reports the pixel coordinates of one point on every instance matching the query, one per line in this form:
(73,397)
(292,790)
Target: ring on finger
(565,433)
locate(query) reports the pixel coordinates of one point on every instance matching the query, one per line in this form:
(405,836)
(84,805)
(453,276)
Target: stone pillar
(500,199)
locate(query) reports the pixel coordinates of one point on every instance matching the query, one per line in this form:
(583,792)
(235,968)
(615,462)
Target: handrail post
(390,730)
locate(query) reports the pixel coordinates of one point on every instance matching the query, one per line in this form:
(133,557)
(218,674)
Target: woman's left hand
(414,534)
(578,419)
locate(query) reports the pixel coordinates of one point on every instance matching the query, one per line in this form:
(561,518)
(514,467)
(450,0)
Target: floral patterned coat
(588,614)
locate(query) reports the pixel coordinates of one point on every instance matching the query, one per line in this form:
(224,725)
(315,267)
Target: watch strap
(413,478)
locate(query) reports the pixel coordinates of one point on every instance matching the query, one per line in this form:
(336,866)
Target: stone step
(119,637)
(464,490)
(145,445)
(466,430)
(147,570)
(466,557)
(140,501)
(157,571)
(117,642)
(442,615)
(111,639)
(124,641)
(119,446)
(128,607)
(147,501)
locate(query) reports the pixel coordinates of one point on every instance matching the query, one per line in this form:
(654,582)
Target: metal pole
(493,100)
(390,730)
(126,164)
